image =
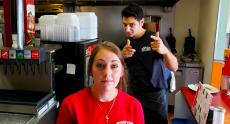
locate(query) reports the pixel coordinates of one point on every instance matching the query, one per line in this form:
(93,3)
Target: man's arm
(169,59)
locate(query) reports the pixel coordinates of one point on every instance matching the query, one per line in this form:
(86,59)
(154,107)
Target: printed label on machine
(71,69)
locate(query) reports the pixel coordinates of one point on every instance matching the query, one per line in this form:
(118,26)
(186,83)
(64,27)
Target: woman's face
(106,70)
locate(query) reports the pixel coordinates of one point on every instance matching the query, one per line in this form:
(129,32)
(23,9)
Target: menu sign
(89,50)
(27,54)
(5,54)
(11,25)
(12,54)
(29,21)
(19,54)
(35,54)
(201,104)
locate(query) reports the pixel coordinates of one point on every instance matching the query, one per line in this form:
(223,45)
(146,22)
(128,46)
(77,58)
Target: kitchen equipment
(13,118)
(63,27)
(1,40)
(26,102)
(192,72)
(19,15)
(73,58)
(27,80)
(187,73)
(47,19)
(189,44)
(125,2)
(88,25)
(190,55)
(171,41)
(67,19)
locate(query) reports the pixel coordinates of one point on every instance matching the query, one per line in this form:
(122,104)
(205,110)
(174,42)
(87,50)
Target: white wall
(228,24)
(186,16)
(201,17)
(110,21)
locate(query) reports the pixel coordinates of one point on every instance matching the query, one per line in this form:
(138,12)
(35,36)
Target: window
(222,37)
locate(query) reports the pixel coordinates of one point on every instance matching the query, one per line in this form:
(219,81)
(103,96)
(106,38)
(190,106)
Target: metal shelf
(125,2)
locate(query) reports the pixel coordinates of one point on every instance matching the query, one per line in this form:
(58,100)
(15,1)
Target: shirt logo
(124,122)
(145,48)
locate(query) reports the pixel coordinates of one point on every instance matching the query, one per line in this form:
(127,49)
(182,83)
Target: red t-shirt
(83,108)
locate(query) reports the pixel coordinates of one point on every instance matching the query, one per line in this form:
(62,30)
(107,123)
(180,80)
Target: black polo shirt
(146,68)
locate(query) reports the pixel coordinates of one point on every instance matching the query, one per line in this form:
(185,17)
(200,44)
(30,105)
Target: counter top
(12,118)
(48,117)
(219,100)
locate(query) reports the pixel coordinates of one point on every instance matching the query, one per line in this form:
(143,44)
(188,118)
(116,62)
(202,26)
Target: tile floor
(170,113)
(170,117)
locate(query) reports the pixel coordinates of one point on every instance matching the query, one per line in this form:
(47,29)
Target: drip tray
(27,102)
(11,118)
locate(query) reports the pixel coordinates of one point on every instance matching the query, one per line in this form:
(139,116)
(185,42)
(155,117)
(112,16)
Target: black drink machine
(72,58)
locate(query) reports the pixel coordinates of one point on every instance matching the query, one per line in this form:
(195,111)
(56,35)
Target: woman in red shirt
(103,102)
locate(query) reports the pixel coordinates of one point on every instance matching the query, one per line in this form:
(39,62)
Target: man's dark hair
(133,10)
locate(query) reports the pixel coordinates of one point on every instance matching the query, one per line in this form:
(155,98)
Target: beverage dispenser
(27,72)
(19,18)
(73,59)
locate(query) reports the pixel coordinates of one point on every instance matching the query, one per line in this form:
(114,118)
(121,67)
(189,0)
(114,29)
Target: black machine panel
(72,58)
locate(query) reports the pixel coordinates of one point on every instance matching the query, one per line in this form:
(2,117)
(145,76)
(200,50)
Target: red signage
(29,21)
(7,26)
(5,54)
(35,54)
(89,50)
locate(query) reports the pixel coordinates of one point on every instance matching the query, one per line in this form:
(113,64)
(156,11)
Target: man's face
(132,27)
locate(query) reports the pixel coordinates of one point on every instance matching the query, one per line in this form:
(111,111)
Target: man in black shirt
(148,60)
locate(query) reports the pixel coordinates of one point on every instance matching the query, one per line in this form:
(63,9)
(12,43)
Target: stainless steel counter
(10,118)
(48,117)
(187,73)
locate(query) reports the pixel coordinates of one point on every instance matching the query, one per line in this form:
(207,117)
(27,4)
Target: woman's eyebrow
(99,60)
(115,60)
